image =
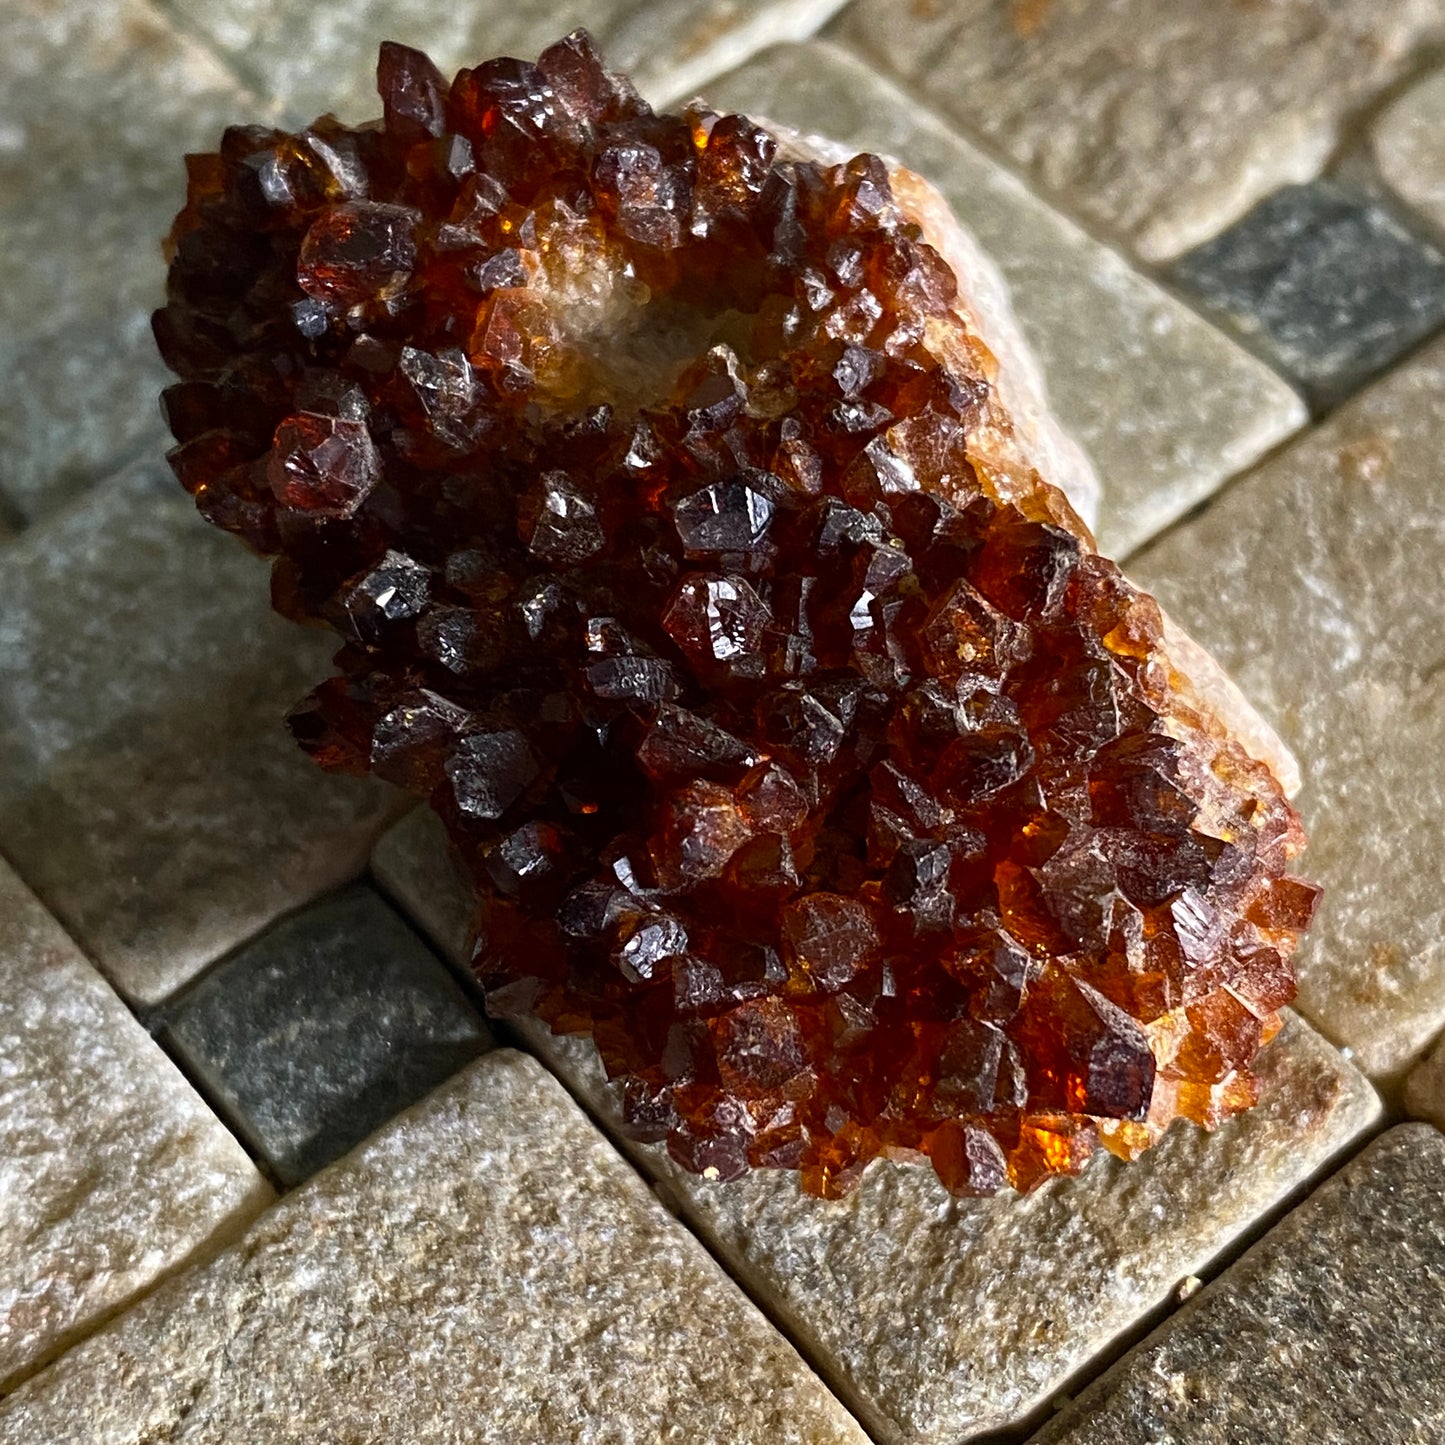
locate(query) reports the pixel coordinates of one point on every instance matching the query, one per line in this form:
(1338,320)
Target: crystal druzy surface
(800,746)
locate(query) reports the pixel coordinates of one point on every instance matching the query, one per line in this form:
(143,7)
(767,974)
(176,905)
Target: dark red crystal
(802,750)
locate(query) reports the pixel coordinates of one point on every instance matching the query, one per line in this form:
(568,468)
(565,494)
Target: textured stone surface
(148,789)
(411,863)
(1425,1091)
(321,56)
(1328,1332)
(1409,144)
(1160,120)
(97,104)
(487,1268)
(74,405)
(1330,283)
(1165,405)
(1328,546)
(112,1171)
(311,1037)
(936,1318)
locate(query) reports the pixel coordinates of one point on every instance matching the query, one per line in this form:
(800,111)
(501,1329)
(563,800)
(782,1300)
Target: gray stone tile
(1330,283)
(1159,121)
(77,404)
(486,1269)
(149,791)
(1328,1332)
(1165,406)
(321,55)
(936,1318)
(312,1036)
(1409,147)
(98,103)
(1425,1089)
(1311,581)
(112,1171)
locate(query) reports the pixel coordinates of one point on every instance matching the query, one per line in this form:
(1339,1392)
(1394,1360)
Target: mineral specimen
(689,558)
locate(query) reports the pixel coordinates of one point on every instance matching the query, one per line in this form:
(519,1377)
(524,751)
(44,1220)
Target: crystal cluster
(801,748)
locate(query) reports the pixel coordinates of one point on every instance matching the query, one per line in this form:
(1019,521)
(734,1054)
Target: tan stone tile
(1409,145)
(485,1269)
(1326,1332)
(934,1317)
(112,1171)
(1313,580)
(322,56)
(1425,1089)
(1166,407)
(149,790)
(1158,120)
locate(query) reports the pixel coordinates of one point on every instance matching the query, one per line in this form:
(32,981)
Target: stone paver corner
(1327,1331)
(112,1170)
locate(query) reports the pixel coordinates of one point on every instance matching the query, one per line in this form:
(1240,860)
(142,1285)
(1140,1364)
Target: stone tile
(936,1318)
(1165,406)
(149,791)
(77,404)
(1425,1091)
(312,1036)
(98,103)
(486,1269)
(1330,283)
(112,1171)
(1409,146)
(322,56)
(1326,1332)
(1311,581)
(1159,121)
(411,863)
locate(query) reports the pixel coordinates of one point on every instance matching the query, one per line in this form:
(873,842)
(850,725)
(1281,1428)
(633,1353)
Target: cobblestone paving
(1209,215)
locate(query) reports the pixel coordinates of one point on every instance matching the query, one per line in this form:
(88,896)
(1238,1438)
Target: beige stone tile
(112,1170)
(485,1269)
(1326,1333)
(936,1318)
(98,103)
(1165,406)
(1409,145)
(1314,581)
(1425,1089)
(1159,121)
(149,790)
(322,55)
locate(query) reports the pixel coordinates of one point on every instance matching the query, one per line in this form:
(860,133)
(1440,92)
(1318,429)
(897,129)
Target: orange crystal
(799,744)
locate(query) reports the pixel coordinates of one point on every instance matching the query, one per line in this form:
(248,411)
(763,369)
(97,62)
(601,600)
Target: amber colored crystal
(801,752)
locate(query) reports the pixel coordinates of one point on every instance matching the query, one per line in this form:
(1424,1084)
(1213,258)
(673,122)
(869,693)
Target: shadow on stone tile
(1330,284)
(313,1035)
(150,793)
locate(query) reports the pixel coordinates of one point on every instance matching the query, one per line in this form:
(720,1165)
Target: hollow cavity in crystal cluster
(799,745)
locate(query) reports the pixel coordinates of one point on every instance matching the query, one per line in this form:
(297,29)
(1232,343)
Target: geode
(691,555)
